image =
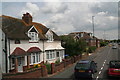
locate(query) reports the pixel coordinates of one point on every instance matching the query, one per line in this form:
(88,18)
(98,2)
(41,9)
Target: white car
(114,47)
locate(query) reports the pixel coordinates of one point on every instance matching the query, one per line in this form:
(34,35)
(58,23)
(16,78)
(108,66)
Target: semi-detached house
(28,43)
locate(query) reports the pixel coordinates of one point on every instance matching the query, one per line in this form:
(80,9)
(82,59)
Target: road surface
(102,57)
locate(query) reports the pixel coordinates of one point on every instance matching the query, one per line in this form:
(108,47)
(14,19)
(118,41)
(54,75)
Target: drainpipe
(9,54)
(6,58)
(43,51)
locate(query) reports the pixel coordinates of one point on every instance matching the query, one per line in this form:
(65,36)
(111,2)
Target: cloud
(54,7)
(33,9)
(78,17)
(102,13)
(66,17)
(112,18)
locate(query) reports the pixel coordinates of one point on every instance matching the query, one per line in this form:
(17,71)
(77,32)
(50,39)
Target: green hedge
(91,49)
(103,44)
(48,66)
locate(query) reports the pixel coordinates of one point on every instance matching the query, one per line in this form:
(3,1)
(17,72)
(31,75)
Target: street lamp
(93,24)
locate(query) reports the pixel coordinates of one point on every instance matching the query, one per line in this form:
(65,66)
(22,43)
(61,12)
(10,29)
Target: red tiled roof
(18,51)
(33,49)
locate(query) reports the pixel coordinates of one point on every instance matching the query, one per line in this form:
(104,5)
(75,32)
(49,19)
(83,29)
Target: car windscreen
(82,66)
(115,64)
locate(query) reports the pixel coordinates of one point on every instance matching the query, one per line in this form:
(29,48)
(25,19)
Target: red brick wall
(34,73)
(64,63)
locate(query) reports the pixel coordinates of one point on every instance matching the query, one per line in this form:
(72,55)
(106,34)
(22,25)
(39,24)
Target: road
(102,57)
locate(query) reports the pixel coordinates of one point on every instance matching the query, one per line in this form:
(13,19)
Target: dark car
(85,69)
(114,68)
(119,43)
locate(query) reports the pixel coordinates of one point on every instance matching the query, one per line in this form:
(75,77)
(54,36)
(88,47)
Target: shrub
(48,66)
(92,49)
(57,61)
(103,44)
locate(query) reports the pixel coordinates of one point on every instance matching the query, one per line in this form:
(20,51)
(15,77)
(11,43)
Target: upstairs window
(17,41)
(49,36)
(33,35)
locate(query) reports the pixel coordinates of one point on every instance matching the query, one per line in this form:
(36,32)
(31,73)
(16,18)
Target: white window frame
(34,38)
(36,55)
(50,54)
(49,36)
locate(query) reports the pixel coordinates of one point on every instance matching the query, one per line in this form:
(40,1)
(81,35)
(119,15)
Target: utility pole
(93,24)
(104,35)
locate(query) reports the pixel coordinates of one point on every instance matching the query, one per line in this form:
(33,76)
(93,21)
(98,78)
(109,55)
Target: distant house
(28,43)
(87,37)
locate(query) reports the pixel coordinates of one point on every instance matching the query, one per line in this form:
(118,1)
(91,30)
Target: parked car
(114,47)
(119,43)
(114,68)
(85,69)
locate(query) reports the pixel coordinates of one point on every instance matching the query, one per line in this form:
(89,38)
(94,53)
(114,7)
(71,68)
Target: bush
(48,66)
(103,44)
(57,61)
(92,49)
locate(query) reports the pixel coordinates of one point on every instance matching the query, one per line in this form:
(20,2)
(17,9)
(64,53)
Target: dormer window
(33,34)
(49,36)
(82,34)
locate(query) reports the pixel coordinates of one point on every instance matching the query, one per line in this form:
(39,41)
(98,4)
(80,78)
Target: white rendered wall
(25,45)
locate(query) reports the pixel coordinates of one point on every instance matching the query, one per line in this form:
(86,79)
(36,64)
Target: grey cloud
(54,7)
(110,7)
(66,17)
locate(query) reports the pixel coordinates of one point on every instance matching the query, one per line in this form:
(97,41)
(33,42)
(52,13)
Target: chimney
(27,18)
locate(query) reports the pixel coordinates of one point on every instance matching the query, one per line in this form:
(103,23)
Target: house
(87,37)
(3,63)
(28,43)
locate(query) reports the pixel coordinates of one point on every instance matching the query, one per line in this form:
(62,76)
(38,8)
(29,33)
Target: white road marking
(97,77)
(99,72)
(103,65)
(101,68)
(104,62)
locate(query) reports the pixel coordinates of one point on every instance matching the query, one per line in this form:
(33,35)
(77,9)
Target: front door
(20,64)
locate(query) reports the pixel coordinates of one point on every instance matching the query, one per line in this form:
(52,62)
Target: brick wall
(66,62)
(34,73)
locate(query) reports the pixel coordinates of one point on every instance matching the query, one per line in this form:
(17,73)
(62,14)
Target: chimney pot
(27,18)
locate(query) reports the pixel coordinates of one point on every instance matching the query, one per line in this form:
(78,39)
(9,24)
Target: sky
(64,17)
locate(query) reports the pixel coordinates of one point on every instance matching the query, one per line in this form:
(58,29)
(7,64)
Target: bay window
(50,54)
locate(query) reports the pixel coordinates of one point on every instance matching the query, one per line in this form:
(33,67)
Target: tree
(73,47)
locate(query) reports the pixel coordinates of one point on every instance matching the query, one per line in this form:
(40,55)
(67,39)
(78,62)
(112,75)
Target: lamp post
(93,24)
